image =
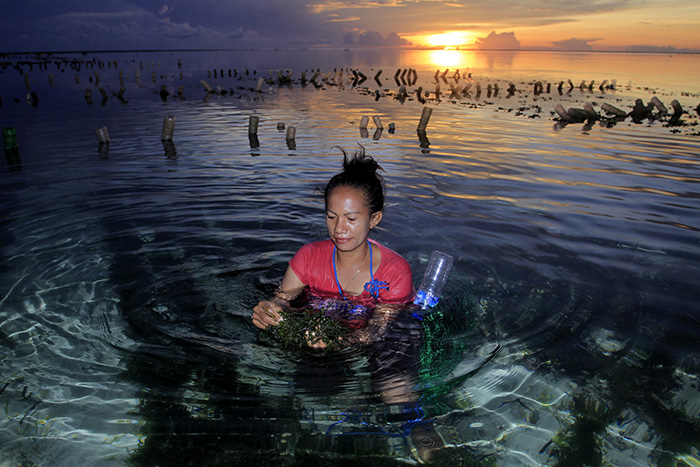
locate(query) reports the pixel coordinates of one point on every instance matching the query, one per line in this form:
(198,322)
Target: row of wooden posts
(403,77)
(253,123)
(640,111)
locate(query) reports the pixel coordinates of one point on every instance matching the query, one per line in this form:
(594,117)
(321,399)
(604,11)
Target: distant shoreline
(340,49)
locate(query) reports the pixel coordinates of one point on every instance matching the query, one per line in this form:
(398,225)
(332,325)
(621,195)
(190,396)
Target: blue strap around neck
(373,286)
(335,270)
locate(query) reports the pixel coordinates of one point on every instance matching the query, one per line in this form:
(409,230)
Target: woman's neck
(356,257)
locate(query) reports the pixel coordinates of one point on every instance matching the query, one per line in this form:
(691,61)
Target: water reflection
(450,59)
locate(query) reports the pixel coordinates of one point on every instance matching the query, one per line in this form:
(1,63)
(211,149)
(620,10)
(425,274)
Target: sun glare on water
(451,58)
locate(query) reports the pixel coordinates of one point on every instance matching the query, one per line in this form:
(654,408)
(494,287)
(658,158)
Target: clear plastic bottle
(434,280)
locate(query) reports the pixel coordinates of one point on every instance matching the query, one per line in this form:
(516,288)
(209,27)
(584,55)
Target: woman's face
(348,218)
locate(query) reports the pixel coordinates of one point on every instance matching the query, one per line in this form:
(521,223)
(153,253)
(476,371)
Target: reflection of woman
(365,278)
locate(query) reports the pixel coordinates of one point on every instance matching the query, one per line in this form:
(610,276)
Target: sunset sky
(73,25)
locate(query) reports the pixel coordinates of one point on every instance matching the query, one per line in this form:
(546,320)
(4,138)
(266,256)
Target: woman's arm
(267,312)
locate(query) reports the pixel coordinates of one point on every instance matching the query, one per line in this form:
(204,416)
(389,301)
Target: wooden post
(424,118)
(253,125)
(168,128)
(103,135)
(291,135)
(206,86)
(659,105)
(613,110)
(591,114)
(559,109)
(291,132)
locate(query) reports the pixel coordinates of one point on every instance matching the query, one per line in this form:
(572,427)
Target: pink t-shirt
(313,265)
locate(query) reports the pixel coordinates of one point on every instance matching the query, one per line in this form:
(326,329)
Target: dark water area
(567,334)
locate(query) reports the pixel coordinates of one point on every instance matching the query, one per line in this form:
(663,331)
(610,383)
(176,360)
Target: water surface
(568,331)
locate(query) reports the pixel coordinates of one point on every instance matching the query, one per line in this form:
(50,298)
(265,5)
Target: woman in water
(367,281)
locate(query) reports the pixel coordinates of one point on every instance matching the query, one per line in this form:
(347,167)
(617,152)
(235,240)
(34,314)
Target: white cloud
(502,41)
(164,10)
(574,44)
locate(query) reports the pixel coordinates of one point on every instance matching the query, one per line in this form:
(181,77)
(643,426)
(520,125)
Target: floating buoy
(168,128)
(280,126)
(424,118)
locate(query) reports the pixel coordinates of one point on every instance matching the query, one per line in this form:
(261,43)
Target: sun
(449,39)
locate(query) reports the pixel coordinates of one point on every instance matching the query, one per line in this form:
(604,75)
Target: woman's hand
(267,313)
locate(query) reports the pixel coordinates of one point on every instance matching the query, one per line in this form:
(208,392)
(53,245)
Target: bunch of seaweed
(300,329)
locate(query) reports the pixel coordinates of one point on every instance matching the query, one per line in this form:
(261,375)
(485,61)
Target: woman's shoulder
(390,258)
(314,248)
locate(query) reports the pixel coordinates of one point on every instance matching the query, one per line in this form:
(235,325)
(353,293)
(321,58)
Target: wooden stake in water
(424,118)
(168,128)
(206,86)
(253,125)
(291,134)
(103,135)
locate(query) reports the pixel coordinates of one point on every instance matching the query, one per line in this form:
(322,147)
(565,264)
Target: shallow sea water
(568,330)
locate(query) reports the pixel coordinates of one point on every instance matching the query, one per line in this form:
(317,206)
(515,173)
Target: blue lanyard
(373,286)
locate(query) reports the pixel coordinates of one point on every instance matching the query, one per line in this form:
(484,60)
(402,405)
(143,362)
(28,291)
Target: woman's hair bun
(362,173)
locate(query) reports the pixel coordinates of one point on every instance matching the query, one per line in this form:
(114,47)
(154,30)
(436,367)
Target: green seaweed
(298,329)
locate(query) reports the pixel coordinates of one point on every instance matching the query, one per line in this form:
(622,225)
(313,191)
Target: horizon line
(346,48)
